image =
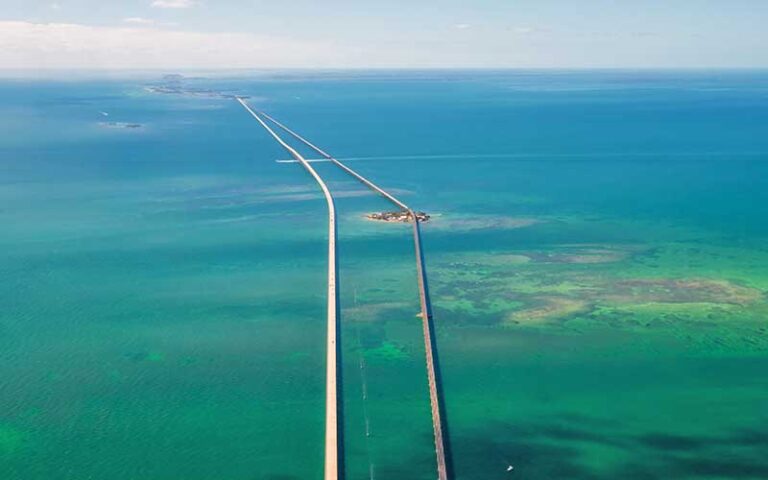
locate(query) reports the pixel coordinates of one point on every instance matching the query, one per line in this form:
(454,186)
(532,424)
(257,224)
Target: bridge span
(444,470)
(333,462)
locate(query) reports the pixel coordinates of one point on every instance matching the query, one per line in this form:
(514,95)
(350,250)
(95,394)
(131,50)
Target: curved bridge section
(332,430)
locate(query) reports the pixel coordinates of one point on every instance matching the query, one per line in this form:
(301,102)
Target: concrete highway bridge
(333,470)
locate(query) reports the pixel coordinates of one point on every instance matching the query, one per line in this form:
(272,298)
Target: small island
(399,216)
(176,84)
(125,125)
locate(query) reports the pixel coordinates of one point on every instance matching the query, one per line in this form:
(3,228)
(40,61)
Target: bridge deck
(332,432)
(430,345)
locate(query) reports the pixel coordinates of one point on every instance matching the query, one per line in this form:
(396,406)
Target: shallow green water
(597,262)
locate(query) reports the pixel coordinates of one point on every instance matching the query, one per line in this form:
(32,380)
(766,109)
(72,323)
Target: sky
(213,34)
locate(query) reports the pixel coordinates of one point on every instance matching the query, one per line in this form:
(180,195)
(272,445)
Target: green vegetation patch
(11,440)
(548,309)
(622,286)
(156,357)
(387,351)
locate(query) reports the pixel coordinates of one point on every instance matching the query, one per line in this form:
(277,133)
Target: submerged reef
(549,308)
(622,286)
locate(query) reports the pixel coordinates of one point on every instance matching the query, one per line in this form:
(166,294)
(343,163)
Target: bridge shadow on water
(447,451)
(339,370)
(441,405)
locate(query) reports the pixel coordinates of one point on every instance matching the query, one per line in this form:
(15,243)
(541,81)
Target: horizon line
(13,72)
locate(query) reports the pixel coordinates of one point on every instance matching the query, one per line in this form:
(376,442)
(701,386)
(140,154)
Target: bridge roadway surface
(430,345)
(332,432)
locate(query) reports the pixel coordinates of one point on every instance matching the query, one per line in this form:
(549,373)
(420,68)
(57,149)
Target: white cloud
(139,21)
(55,6)
(524,30)
(462,26)
(173,3)
(147,22)
(27,45)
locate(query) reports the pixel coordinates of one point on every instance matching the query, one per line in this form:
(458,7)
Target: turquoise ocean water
(597,256)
